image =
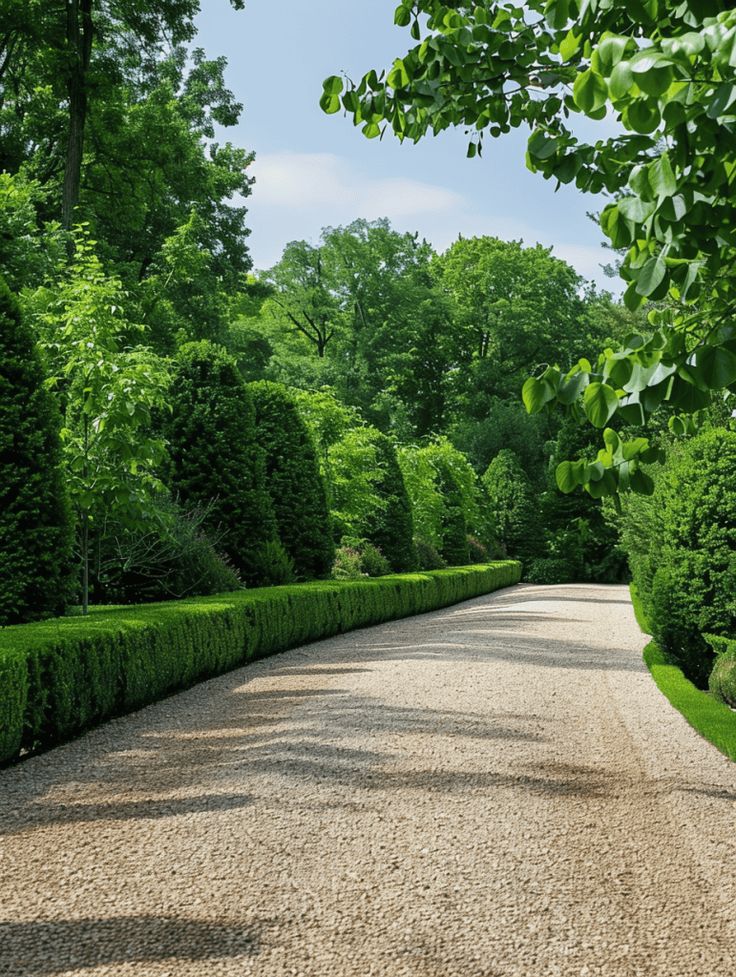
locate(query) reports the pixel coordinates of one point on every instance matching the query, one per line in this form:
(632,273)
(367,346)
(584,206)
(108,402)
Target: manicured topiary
(694,551)
(35,528)
(454,528)
(391,528)
(294,482)
(511,502)
(216,459)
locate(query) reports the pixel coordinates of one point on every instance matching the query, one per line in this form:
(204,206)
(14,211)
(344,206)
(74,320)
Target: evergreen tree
(295,485)
(216,459)
(392,527)
(454,529)
(511,500)
(35,527)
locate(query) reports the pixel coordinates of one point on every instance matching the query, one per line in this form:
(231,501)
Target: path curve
(493,790)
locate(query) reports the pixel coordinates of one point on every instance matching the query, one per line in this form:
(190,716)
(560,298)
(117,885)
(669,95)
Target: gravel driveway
(493,789)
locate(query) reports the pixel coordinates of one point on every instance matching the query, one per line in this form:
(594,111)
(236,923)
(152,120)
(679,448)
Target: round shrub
(294,482)
(512,506)
(217,462)
(348,564)
(722,682)
(373,562)
(35,522)
(391,528)
(428,557)
(694,585)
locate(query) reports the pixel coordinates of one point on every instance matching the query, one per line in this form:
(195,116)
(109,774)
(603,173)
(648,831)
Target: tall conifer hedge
(294,482)
(35,524)
(392,528)
(215,455)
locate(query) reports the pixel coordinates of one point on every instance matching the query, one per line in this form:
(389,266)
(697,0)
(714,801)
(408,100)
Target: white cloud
(310,180)
(297,194)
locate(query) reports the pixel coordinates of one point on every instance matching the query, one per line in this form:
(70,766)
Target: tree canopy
(664,71)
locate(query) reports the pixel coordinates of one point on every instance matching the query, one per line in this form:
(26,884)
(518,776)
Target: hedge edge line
(59,678)
(713,720)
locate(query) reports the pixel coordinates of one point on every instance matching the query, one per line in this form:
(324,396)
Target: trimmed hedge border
(713,720)
(62,676)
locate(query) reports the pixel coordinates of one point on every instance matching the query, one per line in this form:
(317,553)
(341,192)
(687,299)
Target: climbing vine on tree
(666,72)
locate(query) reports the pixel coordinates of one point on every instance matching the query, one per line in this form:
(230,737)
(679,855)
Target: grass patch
(712,719)
(639,612)
(62,676)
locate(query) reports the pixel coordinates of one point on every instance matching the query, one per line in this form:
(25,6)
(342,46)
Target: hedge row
(62,676)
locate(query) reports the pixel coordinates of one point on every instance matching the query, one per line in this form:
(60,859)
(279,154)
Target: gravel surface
(493,789)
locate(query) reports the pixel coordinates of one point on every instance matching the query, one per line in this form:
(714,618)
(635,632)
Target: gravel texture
(493,789)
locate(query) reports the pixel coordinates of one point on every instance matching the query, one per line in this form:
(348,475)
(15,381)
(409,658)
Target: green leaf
(590,91)
(662,178)
(600,403)
(642,115)
(536,393)
(651,276)
(621,81)
(715,367)
(333,85)
(568,476)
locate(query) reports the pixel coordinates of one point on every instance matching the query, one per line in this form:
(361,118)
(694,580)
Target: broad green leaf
(590,91)
(651,276)
(662,178)
(715,366)
(600,403)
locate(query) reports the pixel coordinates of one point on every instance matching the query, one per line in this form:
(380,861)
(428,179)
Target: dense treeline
(353,410)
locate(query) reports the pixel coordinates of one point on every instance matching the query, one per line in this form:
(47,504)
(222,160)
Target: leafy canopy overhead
(666,73)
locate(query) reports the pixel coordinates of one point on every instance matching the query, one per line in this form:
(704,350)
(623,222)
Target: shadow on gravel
(43,948)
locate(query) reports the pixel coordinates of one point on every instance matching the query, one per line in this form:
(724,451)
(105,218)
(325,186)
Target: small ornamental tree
(512,506)
(35,530)
(295,485)
(216,459)
(391,528)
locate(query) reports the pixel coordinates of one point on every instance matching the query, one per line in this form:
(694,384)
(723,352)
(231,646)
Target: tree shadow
(47,947)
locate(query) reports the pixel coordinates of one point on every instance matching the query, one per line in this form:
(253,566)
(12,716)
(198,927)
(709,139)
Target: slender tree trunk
(85,563)
(79,47)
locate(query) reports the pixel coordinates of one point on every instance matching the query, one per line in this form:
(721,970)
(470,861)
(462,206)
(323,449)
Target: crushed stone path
(493,790)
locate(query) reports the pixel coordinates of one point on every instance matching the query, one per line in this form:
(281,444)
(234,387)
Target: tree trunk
(85,563)
(79,47)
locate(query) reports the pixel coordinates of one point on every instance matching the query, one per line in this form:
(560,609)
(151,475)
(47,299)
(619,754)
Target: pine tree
(35,523)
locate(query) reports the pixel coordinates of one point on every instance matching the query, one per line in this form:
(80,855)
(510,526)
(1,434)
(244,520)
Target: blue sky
(314,170)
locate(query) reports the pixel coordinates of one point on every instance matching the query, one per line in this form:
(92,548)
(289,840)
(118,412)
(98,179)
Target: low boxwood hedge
(60,677)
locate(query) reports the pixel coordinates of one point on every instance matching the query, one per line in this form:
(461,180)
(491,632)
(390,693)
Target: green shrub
(688,579)
(372,561)
(295,485)
(549,570)
(216,460)
(60,677)
(513,506)
(348,564)
(428,557)
(35,527)
(276,567)
(170,558)
(391,527)
(477,552)
(722,681)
